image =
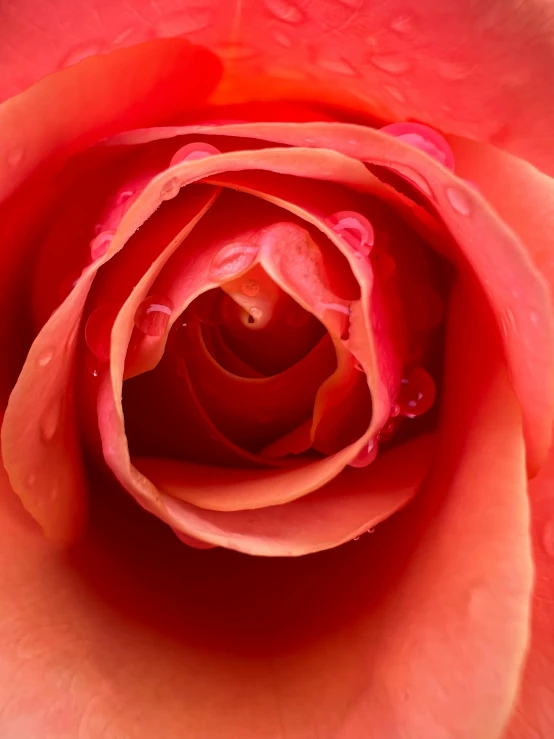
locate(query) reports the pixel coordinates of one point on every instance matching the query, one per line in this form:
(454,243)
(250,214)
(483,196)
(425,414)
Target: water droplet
(153,315)
(170,189)
(452,71)
(459,201)
(98,330)
(100,244)
(371,530)
(285,10)
(250,288)
(50,421)
(394,410)
(198,150)
(424,138)
(45,358)
(391,63)
(14,157)
(417,393)
(383,264)
(337,66)
(124,196)
(548,538)
(402,24)
(388,429)
(233,259)
(282,39)
(78,54)
(91,364)
(534,317)
(353,228)
(367,455)
(395,93)
(356,538)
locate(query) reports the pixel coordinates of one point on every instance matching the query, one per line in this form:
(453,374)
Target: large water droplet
(459,201)
(190,152)
(285,10)
(367,455)
(45,357)
(100,244)
(233,259)
(417,393)
(170,189)
(548,538)
(98,330)
(391,63)
(354,229)
(50,421)
(425,139)
(153,315)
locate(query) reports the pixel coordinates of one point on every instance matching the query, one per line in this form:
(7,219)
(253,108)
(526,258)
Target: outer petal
(483,70)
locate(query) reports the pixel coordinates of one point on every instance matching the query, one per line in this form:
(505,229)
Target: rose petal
(503,265)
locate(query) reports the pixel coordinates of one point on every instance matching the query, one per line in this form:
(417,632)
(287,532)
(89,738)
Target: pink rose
(282,286)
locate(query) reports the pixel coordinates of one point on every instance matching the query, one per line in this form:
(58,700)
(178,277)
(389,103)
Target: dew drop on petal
(417,393)
(190,152)
(170,189)
(394,410)
(367,455)
(353,228)
(250,288)
(98,330)
(233,259)
(50,421)
(425,139)
(153,315)
(458,200)
(45,357)
(124,196)
(100,244)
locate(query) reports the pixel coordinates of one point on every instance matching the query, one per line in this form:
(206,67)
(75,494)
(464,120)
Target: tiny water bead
(459,200)
(233,259)
(417,393)
(45,358)
(353,228)
(250,288)
(153,315)
(366,455)
(190,152)
(425,139)
(100,244)
(98,330)
(170,189)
